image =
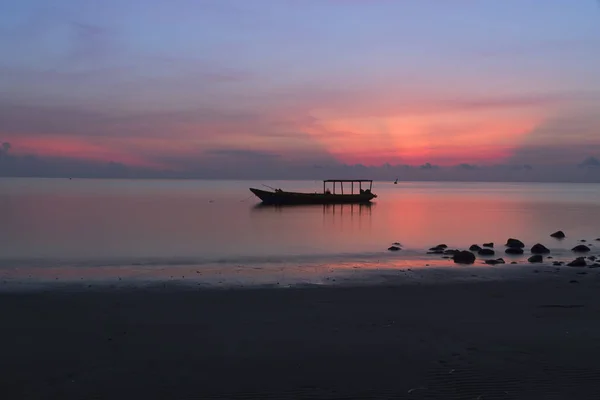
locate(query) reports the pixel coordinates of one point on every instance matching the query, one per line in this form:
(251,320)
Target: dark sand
(534,339)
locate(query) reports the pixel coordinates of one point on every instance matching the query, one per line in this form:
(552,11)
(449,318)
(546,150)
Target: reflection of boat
(278,196)
(326,208)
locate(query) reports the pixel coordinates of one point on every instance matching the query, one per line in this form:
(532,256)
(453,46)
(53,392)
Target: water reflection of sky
(212,221)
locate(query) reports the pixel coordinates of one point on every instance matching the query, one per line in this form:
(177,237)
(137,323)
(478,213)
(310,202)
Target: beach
(530,338)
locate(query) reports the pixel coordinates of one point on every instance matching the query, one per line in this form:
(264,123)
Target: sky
(291,88)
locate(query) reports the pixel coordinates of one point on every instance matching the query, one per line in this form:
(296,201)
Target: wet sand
(530,339)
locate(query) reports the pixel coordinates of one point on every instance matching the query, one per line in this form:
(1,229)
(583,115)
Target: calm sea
(84,229)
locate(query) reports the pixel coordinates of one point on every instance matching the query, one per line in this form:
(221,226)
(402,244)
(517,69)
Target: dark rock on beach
(494,262)
(537,258)
(475,247)
(515,243)
(490,244)
(578,262)
(464,257)
(558,235)
(539,249)
(486,252)
(394,248)
(514,250)
(580,248)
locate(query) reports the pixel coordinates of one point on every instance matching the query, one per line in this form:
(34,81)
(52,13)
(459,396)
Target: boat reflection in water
(341,209)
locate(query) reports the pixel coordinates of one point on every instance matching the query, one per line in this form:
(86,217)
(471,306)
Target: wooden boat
(278,196)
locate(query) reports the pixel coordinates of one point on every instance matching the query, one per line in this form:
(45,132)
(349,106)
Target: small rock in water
(539,249)
(451,252)
(549,257)
(494,262)
(514,250)
(442,246)
(475,247)
(394,248)
(464,257)
(536,258)
(598,239)
(583,240)
(593,258)
(436,251)
(490,244)
(558,235)
(580,248)
(486,252)
(514,243)
(514,262)
(578,262)
(556,263)
(595,265)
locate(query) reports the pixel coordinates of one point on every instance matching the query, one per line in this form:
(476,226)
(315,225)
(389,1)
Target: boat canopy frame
(351,181)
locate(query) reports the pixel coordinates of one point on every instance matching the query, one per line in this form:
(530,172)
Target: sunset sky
(183,85)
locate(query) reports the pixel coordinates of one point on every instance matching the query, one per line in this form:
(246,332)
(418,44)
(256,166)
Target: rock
(558,235)
(598,239)
(486,252)
(515,243)
(437,251)
(549,257)
(557,263)
(464,257)
(595,265)
(578,262)
(583,240)
(514,262)
(536,258)
(539,249)
(494,262)
(394,248)
(592,258)
(451,252)
(441,248)
(475,247)
(446,257)
(514,250)
(580,248)
(490,244)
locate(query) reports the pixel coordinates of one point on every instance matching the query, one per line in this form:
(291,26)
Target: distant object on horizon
(278,196)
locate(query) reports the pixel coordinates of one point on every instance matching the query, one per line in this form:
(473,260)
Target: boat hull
(282,197)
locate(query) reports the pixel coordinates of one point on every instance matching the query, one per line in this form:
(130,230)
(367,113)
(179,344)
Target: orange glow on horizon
(77,149)
(441,140)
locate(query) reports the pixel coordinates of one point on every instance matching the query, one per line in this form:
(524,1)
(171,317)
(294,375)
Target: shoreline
(287,277)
